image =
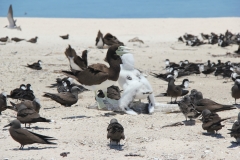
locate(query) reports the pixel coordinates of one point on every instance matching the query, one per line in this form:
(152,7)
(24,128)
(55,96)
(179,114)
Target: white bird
(12,22)
(134,85)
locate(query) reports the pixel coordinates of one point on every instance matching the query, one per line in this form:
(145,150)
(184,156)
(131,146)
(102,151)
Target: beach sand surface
(82,131)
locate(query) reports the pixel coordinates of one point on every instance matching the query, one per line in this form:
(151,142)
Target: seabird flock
(101,79)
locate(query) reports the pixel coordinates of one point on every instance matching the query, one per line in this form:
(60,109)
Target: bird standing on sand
(211,121)
(25,137)
(236,90)
(33,40)
(99,40)
(29,115)
(4,39)
(35,104)
(235,131)
(173,90)
(65,98)
(65,36)
(36,65)
(99,76)
(17,39)
(12,22)
(115,132)
(3,102)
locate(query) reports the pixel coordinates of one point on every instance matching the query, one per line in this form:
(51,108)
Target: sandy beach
(82,131)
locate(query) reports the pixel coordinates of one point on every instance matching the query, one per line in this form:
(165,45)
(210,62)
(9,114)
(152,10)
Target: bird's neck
(114,69)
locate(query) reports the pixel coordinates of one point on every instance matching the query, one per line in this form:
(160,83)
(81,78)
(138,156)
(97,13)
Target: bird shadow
(116,147)
(189,122)
(50,108)
(75,117)
(33,148)
(114,113)
(38,128)
(215,135)
(233,145)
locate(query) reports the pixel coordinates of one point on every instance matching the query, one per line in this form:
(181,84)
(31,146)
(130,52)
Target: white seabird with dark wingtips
(12,22)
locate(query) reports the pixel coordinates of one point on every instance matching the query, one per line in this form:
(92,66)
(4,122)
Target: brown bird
(204,103)
(99,40)
(17,39)
(3,102)
(236,90)
(211,121)
(25,137)
(35,104)
(65,36)
(173,90)
(115,132)
(76,63)
(110,40)
(65,98)
(4,39)
(235,131)
(29,115)
(33,40)
(99,76)
(188,108)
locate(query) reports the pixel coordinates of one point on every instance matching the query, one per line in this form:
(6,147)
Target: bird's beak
(122,50)
(7,125)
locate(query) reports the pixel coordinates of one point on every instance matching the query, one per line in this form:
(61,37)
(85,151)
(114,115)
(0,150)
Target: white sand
(84,135)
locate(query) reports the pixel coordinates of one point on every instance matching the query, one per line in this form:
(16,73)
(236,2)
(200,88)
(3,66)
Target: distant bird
(173,90)
(4,39)
(3,102)
(209,71)
(211,121)
(33,40)
(236,90)
(36,65)
(35,104)
(180,39)
(29,115)
(25,137)
(184,86)
(28,93)
(99,40)
(12,22)
(204,103)
(205,36)
(17,39)
(65,98)
(76,63)
(115,132)
(65,36)
(18,92)
(136,39)
(235,131)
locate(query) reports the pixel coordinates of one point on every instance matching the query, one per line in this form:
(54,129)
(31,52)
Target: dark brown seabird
(36,65)
(204,103)
(211,121)
(76,63)
(65,98)
(115,132)
(25,137)
(99,76)
(4,39)
(33,40)
(17,92)
(3,102)
(235,131)
(99,40)
(29,115)
(17,39)
(35,104)
(173,90)
(110,40)
(65,36)
(236,90)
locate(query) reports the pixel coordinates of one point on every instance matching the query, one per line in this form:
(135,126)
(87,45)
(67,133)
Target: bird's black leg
(25,125)
(171,100)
